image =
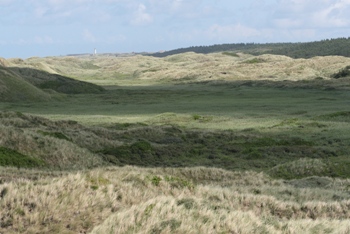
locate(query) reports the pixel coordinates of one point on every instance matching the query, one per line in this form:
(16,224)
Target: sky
(30,28)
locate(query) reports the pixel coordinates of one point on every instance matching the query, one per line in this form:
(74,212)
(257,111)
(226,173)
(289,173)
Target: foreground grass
(183,200)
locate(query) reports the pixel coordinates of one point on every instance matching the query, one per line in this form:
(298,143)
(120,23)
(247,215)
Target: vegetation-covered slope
(15,88)
(34,142)
(58,83)
(20,83)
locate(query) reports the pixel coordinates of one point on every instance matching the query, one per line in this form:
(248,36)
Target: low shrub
(345,72)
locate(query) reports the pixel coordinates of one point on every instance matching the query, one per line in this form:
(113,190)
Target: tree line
(327,47)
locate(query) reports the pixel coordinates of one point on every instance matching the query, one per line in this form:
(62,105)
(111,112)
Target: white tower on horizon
(95,52)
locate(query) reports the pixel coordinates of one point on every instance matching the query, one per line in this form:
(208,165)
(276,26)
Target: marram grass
(183,200)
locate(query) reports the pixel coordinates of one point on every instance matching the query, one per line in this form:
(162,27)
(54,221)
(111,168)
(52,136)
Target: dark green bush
(156,180)
(345,72)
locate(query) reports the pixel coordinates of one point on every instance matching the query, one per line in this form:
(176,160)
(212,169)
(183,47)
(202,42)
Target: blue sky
(59,27)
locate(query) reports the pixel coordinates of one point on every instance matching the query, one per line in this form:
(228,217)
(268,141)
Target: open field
(218,143)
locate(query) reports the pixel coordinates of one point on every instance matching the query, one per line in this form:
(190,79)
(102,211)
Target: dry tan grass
(188,67)
(4,62)
(168,200)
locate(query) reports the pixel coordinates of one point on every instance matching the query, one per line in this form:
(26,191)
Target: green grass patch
(340,116)
(12,158)
(171,224)
(177,182)
(89,66)
(177,147)
(202,118)
(254,61)
(339,166)
(58,135)
(140,153)
(301,168)
(70,86)
(233,54)
(306,167)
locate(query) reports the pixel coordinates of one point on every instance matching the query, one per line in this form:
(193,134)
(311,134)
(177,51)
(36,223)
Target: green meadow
(237,126)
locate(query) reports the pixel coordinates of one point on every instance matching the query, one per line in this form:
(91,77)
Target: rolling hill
(28,84)
(14,88)
(180,68)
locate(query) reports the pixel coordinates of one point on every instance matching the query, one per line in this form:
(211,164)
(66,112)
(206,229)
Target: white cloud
(40,11)
(288,23)
(293,35)
(308,13)
(335,15)
(237,33)
(101,16)
(88,36)
(180,8)
(116,39)
(21,42)
(141,17)
(36,40)
(43,40)
(231,32)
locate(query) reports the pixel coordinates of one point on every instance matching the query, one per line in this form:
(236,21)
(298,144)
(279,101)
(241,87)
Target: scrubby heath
(218,143)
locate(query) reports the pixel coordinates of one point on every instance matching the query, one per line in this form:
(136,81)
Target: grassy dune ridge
(218,143)
(187,67)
